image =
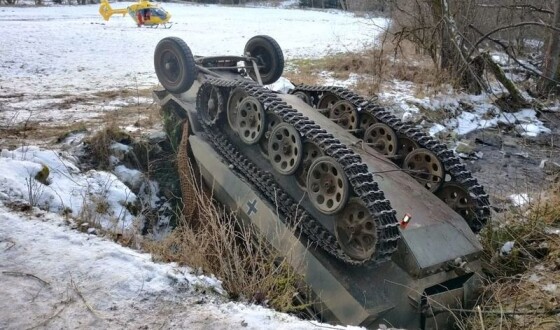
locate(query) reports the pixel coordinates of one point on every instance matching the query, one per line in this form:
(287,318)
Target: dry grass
(374,66)
(99,145)
(216,243)
(524,287)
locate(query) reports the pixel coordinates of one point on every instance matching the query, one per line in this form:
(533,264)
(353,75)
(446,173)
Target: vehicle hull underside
(435,267)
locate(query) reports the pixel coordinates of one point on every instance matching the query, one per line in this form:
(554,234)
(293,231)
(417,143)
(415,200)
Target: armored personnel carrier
(385,216)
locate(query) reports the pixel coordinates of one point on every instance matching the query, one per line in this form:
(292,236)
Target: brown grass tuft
(100,143)
(374,66)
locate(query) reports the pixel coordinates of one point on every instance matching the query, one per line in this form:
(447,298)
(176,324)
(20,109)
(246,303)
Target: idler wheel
(311,151)
(425,167)
(405,147)
(366,120)
(459,199)
(327,100)
(271,121)
(284,149)
(212,102)
(356,231)
(382,138)
(234,100)
(303,96)
(327,185)
(174,64)
(250,120)
(344,114)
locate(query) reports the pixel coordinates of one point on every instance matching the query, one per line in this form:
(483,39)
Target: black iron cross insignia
(251,207)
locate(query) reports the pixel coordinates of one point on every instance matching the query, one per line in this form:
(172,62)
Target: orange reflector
(405,220)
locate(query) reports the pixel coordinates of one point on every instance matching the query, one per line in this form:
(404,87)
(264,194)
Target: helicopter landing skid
(165,25)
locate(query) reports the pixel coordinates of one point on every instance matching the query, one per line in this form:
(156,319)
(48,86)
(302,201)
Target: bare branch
(507,27)
(514,58)
(518,7)
(25,275)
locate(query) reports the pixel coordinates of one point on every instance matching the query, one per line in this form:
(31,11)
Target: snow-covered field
(52,54)
(57,64)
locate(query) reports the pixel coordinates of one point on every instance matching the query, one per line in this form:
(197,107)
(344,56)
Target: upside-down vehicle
(378,217)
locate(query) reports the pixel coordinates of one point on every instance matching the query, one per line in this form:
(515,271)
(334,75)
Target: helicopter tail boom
(107,11)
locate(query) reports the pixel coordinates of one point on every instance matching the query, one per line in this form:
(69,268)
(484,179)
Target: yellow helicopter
(144,13)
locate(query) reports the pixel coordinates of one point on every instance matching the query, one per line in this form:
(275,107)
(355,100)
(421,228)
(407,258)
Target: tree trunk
(516,100)
(453,53)
(343,4)
(552,54)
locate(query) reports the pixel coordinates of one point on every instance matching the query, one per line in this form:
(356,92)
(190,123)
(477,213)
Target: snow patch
(507,248)
(519,199)
(98,194)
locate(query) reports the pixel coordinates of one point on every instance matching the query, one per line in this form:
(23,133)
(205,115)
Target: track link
(452,164)
(357,173)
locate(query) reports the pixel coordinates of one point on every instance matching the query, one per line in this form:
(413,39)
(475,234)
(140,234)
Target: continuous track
(458,174)
(361,181)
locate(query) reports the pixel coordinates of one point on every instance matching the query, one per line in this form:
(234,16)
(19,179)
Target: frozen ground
(52,55)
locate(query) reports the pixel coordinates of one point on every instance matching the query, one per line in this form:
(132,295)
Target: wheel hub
(458,198)
(327,100)
(356,231)
(310,152)
(425,167)
(250,120)
(284,149)
(212,104)
(405,147)
(235,98)
(344,114)
(328,185)
(271,121)
(366,120)
(382,138)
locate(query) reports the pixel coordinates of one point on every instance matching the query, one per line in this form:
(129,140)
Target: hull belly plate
(251,208)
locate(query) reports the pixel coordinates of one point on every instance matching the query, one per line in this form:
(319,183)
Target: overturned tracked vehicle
(385,216)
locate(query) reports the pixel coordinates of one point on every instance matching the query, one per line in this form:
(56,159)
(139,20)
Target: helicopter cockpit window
(159,12)
(147,14)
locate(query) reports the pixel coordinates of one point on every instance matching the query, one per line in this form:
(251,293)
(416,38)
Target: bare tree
(552,55)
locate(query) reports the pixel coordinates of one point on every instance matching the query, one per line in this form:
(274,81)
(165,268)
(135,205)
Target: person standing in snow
(140,18)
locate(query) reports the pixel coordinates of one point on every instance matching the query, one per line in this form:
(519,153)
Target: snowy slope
(52,276)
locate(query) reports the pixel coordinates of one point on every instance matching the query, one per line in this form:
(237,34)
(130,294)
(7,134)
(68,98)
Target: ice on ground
(550,288)
(434,130)
(328,79)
